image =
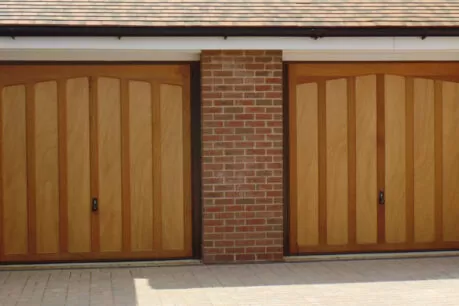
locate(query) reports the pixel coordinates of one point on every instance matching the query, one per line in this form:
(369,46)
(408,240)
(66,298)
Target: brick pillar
(242,156)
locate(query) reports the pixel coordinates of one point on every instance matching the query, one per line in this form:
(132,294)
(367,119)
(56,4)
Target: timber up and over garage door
(95,162)
(374,157)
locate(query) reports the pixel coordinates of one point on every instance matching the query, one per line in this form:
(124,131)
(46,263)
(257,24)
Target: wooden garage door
(374,157)
(95,162)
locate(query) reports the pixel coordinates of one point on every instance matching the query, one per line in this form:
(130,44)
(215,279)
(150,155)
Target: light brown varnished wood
(406,135)
(322,114)
(125,166)
(424,160)
(141,163)
(109,163)
(23,74)
(293,161)
(337,158)
(351,160)
(78,165)
(14,167)
(381,154)
(307,165)
(450,161)
(46,168)
(31,170)
(366,160)
(62,161)
(186,175)
(338,70)
(395,116)
(81,133)
(94,162)
(2,222)
(409,159)
(438,161)
(172,168)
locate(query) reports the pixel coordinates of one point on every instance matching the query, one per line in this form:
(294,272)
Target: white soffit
(189,48)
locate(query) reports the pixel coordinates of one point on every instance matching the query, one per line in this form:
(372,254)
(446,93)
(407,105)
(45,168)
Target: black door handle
(382,199)
(95,204)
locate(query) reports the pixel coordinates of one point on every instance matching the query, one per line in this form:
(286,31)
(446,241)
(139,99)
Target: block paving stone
(422,281)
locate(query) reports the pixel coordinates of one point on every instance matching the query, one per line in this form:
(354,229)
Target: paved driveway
(430,281)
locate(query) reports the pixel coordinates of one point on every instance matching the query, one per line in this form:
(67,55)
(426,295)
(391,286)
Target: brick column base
(242,156)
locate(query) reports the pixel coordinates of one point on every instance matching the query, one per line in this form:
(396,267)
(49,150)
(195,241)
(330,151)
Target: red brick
(242,155)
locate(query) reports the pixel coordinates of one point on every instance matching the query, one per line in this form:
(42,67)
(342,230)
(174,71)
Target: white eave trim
(189,48)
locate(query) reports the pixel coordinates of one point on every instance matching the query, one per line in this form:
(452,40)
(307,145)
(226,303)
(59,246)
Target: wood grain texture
(438,161)
(63,188)
(424,160)
(31,73)
(381,153)
(46,168)
(450,161)
(2,222)
(337,167)
(141,163)
(409,158)
(157,148)
(352,160)
(395,159)
(307,164)
(14,170)
(322,113)
(187,161)
(109,151)
(94,162)
(125,166)
(366,160)
(78,173)
(292,173)
(172,159)
(337,70)
(31,186)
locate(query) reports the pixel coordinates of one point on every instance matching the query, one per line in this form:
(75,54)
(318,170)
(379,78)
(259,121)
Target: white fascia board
(96,55)
(197,43)
(356,56)
(189,48)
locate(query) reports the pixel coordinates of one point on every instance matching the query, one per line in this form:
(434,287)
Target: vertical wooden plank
(409,158)
(2,222)
(307,164)
(63,188)
(172,159)
(109,156)
(293,158)
(381,153)
(94,161)
(366,160)
(395,114)
(424,160)
(450,161)
(14,170)
(78,166)
(141,152)
(31,184)
(125,167)
(46,172)
(187,194)
(337,167)
(156,140)
(438,161)
(352,160)
(322,114)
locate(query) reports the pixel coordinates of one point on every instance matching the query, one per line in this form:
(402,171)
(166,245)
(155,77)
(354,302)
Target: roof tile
(207,13)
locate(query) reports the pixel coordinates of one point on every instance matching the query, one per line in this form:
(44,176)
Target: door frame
(195,140)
